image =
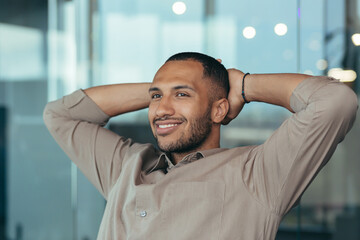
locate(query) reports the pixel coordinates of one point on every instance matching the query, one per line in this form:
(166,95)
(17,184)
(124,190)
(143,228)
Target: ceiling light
(179,8)
(280,29)
(356,39)
(249,32)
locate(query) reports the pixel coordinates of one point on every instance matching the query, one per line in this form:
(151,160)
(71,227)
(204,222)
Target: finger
(219,60)
(226,121)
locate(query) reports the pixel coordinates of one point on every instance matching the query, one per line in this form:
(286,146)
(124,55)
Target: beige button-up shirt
(226,194)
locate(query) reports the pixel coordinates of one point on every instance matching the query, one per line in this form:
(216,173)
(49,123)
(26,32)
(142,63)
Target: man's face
(179,111)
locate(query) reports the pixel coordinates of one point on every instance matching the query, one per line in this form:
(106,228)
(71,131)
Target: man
(192,188)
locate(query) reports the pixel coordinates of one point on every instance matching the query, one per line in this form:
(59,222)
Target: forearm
(305,142)
(120,98)
(272,88)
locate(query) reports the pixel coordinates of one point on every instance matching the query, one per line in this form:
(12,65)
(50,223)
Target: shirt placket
(145,208)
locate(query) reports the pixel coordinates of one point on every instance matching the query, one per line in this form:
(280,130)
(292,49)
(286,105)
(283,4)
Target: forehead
(179,72)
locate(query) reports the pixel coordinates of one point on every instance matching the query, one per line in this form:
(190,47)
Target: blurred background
(49,48)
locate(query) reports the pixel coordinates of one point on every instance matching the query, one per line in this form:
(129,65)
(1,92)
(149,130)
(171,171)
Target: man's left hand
(235,99)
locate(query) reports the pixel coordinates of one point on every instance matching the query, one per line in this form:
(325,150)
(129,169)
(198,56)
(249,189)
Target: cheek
(152,127)
(151,112)
(151,116)
(190,111)
(186,109)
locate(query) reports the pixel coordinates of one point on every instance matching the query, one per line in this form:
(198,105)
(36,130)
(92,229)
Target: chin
(165,146)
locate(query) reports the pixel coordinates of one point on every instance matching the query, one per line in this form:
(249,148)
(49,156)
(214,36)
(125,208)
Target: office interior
(50,48)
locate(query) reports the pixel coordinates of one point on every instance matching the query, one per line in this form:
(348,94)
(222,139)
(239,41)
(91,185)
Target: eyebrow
(154,89)
(174,88)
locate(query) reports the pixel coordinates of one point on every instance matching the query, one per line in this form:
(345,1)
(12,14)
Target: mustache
(168,118)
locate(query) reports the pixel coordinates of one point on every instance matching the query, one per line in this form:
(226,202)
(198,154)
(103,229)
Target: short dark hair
(213,70)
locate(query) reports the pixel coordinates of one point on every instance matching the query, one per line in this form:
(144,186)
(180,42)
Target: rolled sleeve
(289,160)
(76,123)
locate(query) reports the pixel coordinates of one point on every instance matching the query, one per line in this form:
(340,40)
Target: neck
(213,141)
(177,157)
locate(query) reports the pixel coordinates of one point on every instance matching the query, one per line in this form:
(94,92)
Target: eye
(180,94)
(155,96)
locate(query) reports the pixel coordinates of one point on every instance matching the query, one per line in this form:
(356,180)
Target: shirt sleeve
(76,123)
(284,166)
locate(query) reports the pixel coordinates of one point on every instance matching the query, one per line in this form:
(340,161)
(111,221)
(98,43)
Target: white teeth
(167,125)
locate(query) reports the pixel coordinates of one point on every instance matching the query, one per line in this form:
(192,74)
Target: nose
(165,107)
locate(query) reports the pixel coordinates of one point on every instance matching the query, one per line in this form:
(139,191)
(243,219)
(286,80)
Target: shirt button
(143,213)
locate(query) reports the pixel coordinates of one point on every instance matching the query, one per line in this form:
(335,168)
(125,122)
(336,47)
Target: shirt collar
(160,164)
(192,157)
(164,162)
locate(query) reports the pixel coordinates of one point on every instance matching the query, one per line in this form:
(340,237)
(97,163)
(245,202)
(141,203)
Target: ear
(220,109)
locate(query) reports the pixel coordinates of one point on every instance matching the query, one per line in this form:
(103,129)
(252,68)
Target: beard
(200,129)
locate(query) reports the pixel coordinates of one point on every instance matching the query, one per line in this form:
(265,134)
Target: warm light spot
(249,32)
(342,75)
(321,64)
(179,8)
(356,39)
(280,29)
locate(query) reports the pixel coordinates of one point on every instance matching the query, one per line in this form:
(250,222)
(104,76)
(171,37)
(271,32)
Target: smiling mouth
(167,125)
(164,128)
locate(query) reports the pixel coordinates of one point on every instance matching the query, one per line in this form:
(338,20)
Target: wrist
(243,88)
(249,83)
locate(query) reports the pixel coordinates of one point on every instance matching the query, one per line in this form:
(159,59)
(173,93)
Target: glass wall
(37,178)
(51,48)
